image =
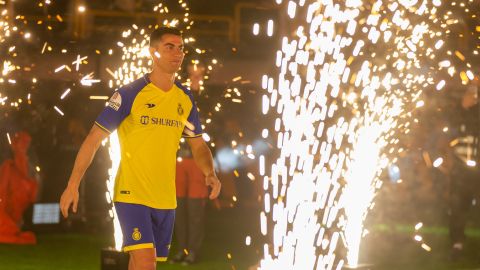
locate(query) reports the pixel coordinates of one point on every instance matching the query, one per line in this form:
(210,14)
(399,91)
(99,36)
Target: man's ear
(152,51)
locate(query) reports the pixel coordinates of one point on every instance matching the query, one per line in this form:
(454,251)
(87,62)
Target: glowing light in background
(270,28)
(348,81)
(7,67)
(256,29)
(438,162)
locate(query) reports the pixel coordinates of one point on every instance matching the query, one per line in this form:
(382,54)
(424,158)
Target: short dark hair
(158,33)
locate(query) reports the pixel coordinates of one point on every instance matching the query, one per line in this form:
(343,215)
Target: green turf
(54,251)
(387,247)
(393,248)
(81,251)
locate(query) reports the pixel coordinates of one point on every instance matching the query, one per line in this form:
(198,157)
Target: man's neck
(162,80)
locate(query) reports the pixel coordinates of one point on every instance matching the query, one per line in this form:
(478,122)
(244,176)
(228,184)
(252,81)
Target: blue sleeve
(118,108)
(193,128)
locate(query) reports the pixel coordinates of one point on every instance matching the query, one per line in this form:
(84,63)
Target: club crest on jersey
(115,101)
(180,109)
(136,235)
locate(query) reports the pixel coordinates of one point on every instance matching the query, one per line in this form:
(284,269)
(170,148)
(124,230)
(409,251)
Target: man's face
(168,53)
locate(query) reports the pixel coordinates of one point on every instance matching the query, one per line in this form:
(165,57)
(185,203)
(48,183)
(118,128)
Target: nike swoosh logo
(150,105)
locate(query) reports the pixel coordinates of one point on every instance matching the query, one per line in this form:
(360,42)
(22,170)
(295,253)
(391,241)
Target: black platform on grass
(113,259)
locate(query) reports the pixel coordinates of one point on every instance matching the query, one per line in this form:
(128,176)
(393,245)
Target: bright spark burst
(114,153)
(6,29)
(348,81)
(10,48)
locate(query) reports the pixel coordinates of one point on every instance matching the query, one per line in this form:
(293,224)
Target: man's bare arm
(83,160)
(204,160)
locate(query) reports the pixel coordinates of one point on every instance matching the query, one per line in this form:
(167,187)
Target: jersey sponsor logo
(115,101)
(127,192)
(180,109)
(136,235)
(144,120)
(147,120)
(150,105)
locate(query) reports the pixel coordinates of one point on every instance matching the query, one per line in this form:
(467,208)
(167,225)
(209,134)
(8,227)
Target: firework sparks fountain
(349,77)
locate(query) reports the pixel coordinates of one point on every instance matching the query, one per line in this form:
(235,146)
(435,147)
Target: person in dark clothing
(192,196)
(464,172)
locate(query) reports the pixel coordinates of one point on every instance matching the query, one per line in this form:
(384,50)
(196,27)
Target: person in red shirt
(18,191)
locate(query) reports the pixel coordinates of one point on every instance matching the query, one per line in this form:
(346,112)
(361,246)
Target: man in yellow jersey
(150,115)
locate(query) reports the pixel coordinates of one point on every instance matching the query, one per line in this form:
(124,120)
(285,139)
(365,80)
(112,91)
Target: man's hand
(69,197)
(84,158)
(204,160)
(213,182)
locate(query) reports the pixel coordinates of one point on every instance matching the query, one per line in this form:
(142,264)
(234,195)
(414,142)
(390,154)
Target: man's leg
(196,226)
(181,225)
(136,224)
(461,197)
(459,205)
(163,223)
(181,221)
(142,259)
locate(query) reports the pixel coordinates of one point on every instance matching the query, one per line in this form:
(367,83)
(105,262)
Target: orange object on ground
(190,181)
(17,191)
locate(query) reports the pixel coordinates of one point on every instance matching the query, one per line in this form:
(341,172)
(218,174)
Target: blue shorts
(146,227)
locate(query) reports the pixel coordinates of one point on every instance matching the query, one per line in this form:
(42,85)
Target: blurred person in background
(192,196)
(464,171)
(18,191)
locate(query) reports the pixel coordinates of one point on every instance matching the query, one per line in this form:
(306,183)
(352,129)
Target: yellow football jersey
(150,123)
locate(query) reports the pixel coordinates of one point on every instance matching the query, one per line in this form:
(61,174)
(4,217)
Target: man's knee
(143,259)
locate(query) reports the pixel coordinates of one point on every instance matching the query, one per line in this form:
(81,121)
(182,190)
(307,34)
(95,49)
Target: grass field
(80,251)
(385,248)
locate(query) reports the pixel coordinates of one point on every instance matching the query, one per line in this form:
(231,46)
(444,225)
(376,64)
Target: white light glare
(440,85)
(270,28)
(418,226)
(426,247)
(438,162)
(256,29)
(471,163)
